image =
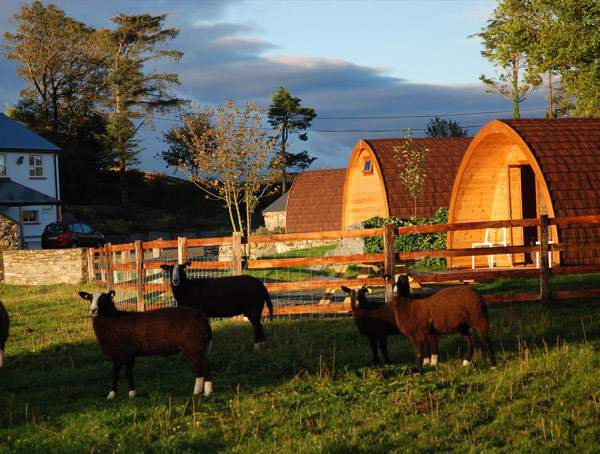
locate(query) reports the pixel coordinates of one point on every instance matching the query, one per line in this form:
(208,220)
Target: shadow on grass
(74,379)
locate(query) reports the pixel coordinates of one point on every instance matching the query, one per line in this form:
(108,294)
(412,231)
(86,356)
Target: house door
(523,205)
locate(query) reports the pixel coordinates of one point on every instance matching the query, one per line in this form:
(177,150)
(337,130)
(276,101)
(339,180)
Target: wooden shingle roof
(568,153)
(315,201)
(443,159)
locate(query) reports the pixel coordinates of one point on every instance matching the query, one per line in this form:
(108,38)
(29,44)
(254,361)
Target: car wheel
(74,245)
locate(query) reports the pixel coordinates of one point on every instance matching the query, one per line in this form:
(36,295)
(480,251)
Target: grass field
(311,391)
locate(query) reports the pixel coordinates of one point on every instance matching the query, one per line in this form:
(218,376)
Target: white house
(29,185)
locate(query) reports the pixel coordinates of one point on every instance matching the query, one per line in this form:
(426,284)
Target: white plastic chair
(488,243)
(537,255)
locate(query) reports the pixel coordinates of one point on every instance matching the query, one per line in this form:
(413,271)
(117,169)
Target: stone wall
(45,266)
(9,239)
(274,219)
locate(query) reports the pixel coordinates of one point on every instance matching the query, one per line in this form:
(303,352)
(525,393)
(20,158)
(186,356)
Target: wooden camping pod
(522,168)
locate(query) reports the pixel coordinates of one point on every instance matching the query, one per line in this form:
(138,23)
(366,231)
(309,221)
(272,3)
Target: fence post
(182,249)
(545,295)
(236,252)
(141,275)
(90,260)
(388,259)
(110,278)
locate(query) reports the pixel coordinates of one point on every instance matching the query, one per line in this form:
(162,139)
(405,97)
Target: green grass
(311,391)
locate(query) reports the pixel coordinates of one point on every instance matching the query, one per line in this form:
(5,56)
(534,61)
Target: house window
(2,165)
(30,216)
(35,166)
(368,166)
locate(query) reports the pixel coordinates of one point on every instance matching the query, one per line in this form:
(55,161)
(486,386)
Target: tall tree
(286,114)
(229,160)
(573,46)
(59,60)
(136,92)
(411,166)
(441,127)
(506,41)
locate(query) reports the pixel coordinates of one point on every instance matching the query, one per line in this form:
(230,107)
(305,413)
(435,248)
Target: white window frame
(35,219)
(3,170)
(36,168)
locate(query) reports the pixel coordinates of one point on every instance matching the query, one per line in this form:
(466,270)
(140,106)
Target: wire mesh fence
(304,272)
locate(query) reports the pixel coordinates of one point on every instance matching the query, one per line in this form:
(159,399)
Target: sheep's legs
(384,350)
(129,374)
(488,344)
(116,369)
(418,345)
(373,343)
(470,347)
(260,340)
(431,350)
(203,378)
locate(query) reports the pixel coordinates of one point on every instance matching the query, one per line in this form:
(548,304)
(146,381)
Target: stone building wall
(274,219)
(45,266)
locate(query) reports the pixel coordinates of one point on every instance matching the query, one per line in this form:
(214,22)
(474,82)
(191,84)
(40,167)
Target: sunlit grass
(311,391)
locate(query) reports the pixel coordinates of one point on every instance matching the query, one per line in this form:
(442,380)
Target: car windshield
(56,229)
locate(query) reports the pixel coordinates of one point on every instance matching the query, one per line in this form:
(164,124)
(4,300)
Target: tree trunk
(515,82)
(283,166)
(123,182)
(550,100)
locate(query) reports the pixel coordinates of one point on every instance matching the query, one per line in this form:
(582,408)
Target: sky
(370,68)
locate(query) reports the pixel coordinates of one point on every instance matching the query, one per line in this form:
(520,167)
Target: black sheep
(375,320)
(223,297)
(125,335)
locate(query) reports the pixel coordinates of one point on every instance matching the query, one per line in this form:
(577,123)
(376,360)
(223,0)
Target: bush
(412,242)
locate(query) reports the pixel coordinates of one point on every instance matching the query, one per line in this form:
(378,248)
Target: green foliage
(311,391)
(286,114)
(506,41)
(442,127)
(116,226)
(412,242)
(411,166)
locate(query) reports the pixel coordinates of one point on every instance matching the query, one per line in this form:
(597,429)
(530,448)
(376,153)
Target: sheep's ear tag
(369,289)
(410,279)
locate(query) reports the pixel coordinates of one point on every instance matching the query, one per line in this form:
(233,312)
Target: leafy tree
(59,60)
(506,41)
(571,46)
(229,159)
(135,92)
(411,165)
(286,114)
(179,137)
(441,127)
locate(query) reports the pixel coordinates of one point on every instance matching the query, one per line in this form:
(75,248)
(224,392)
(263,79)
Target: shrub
(412,242)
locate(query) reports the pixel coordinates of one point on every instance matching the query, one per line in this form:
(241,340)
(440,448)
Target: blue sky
(344,58)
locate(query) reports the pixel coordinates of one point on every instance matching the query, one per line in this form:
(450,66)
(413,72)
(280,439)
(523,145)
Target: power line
(462,114)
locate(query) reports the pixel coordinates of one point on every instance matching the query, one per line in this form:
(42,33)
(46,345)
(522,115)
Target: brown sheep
(125,335)
(450,310)
(376,321)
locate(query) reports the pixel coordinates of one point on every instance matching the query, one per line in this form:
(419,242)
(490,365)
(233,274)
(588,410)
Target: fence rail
(134,269)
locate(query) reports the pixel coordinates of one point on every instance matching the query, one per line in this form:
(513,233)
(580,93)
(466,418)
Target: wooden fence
(139,260)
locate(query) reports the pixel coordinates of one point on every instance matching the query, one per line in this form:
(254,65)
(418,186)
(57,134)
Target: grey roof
(278,205)
(15,194)
(15,136)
